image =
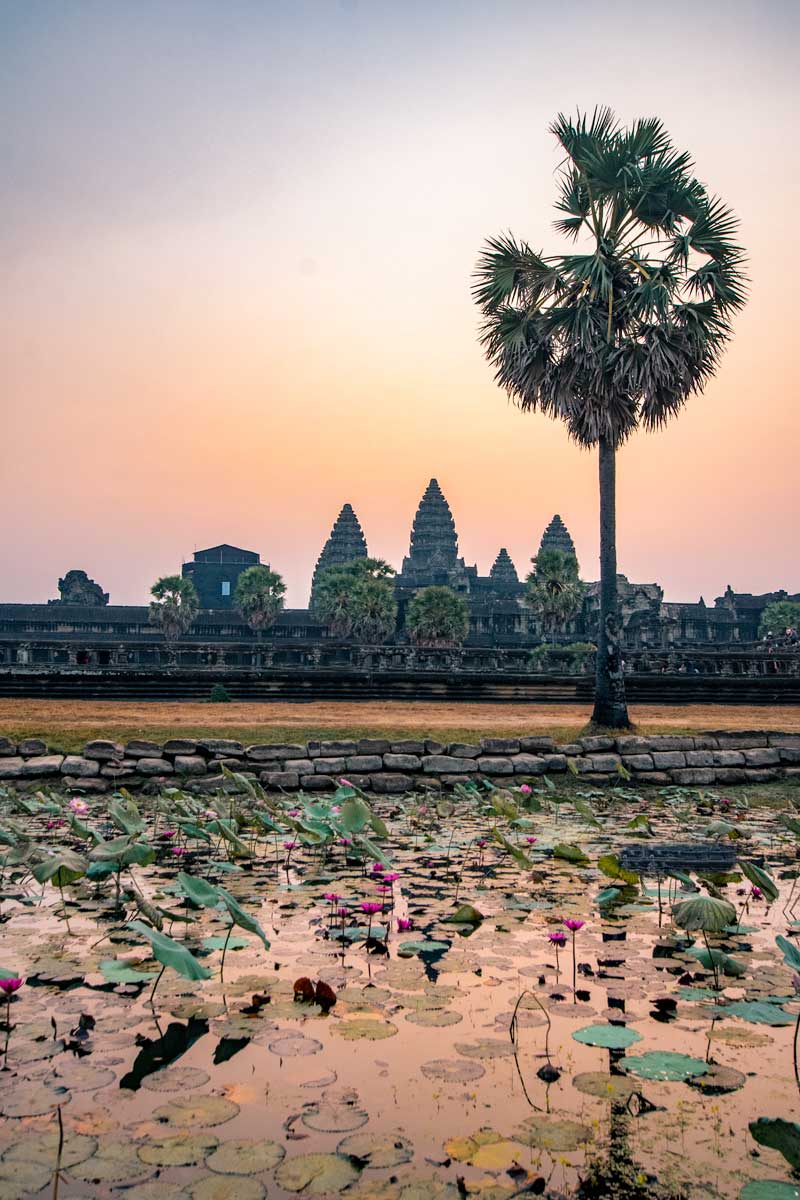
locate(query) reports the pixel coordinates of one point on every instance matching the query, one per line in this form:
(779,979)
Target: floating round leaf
(664,1064)
(176,1079)
(218,1187)
(316,1174)
(377,1150)
(113,1162)
(780,1135)
(769,1189)
(197,1111)
(453,1070)
(554,1134)
(177,1149)
(334,1118)
(243,1156)
(604,1086)
(757,1011)
(610,1037)
(363,1027)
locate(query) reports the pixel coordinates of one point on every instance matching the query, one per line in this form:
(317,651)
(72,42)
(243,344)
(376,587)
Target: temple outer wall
(381,766)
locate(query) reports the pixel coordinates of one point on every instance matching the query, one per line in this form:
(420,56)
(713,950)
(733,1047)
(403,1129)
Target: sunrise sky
(237,241)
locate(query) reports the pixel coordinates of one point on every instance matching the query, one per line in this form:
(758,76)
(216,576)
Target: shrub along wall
(393,767)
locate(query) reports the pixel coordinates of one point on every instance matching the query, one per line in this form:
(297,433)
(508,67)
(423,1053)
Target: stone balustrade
(382,766)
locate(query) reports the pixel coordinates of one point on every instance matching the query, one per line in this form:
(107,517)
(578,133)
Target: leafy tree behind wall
(174,606)
(259,597)
(357,600)
(780,616)
(437,616)
(554,592)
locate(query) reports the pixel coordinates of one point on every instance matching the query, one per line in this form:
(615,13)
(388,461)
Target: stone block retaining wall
(392,767)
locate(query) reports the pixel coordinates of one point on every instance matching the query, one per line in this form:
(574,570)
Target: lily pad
(780,1135)
(334,1118)
(377,1150)
(664,1064)
(113,1162)
(246,1156)
(355,1028)
(604,1086)
(197,1111)
(316,1174)
(218,1187)
(759,1012)
(610,1037)
(453,1070)
(769,1189)
(176,1079)
(554,1134)
(177,1149)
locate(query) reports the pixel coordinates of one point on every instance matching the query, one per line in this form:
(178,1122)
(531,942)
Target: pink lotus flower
(331,896)
(345,783)
(11,985)
(423,808)
(169,833)
(55,823)
(391,877)
(289,845)
(756,892)
(573,924)
(294,812)
(370,907)
(530,840)
(343,912)
(345,841)
(178,850)
(378,868)
(558,938)
(79,807)
(526,789)
(209,815)
(404,924)
(482,843)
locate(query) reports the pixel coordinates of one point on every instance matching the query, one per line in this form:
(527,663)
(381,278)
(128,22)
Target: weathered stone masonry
(381,766)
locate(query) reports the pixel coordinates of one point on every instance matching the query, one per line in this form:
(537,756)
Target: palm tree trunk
(610,707)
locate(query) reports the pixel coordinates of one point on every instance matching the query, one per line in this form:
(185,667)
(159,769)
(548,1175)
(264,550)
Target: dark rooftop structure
(214,573)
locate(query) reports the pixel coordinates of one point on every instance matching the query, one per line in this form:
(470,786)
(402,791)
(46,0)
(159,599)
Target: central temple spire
(345,544)
(434,542)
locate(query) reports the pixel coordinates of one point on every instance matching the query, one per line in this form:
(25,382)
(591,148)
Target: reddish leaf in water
(325,996)
(304,990)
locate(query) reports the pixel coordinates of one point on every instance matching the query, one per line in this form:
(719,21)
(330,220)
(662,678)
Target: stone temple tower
(556,537)
(503,572)
(432,557)
(346,543)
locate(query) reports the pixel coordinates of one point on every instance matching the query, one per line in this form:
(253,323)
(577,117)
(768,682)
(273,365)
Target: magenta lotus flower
(526,789)
(345,841)
(391,877)
(54,824)
(170,833)
(530,840)
(370,907)
(404,924)
(289,845)
(178,850)
(756,892)
(558,938)
(78,806)
(331,896)
(573,924)
(482,843)
(378,868)
(345,783)
(343,912)
(10,985)
(294,812)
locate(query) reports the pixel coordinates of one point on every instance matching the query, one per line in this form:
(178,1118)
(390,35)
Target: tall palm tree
(174,606)
(437,616)
(554,592)
(357,599)
(259,596)
(621,333)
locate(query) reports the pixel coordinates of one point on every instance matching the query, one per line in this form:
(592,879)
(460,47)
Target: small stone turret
(556,537)
(346,543)
(503,571)
(77,588)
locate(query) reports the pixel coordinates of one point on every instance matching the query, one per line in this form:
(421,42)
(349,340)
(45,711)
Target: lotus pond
(251,995)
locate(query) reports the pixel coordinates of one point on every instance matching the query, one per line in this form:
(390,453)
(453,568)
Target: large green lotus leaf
(607,896)
(519,856)
(111,851)
(704,912)
(60,869)
(759,877)
(664,1064)
(757,1011)
(610,1037)
(242,918)
(125,814)
(568,853)
(791,952)
(408,949)
(171,953)
(769,1189)
(611,867)
(198,890)
(354,815)
(225,830)
(719,959)
(780,1135)
(316,1174)
(467,914)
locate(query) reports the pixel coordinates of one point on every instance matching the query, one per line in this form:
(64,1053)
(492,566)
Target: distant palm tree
(437,616)
(174,606)
(554,592)
(258,596)
(622,333)
(357,600)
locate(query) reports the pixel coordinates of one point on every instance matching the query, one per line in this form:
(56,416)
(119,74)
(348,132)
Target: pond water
(645,1078)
